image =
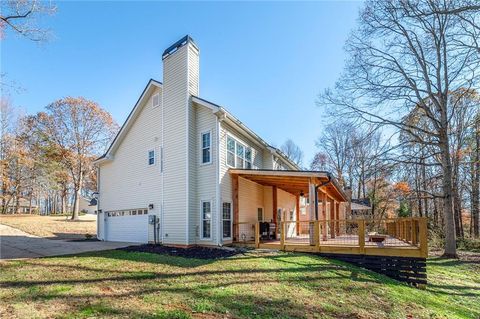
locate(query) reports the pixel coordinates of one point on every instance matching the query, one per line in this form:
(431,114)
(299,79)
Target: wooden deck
(404,237)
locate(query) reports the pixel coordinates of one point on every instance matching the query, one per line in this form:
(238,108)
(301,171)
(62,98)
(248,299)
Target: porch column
(235,207)
(313,202)
(324,216)
(332,218)
(297,208)
(274,205)
(337,217)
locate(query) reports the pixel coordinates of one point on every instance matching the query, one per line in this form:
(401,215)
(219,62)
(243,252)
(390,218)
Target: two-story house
(183,170)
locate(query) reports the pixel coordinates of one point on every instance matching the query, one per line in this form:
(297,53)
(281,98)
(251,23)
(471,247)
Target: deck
(401,237)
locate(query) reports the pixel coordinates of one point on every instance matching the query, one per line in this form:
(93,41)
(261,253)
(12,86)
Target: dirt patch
(191,252)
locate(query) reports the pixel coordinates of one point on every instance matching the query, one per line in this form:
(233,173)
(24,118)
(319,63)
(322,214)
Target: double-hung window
(206,219)
(230,151)
(238,155)
(206,148)
(151,157)
(227,220)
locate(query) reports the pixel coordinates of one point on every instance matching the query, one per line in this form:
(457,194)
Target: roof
(214,107)
(130,119)
(356,206)
(294,182)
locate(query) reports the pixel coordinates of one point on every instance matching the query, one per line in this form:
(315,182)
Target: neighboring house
(183,170)
(24,207)
(361,208)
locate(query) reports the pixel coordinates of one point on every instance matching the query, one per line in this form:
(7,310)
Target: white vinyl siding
(127,181)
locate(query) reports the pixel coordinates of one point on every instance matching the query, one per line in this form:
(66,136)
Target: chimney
(180,82)
(181,66)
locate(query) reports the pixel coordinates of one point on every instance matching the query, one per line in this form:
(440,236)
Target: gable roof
(128,122)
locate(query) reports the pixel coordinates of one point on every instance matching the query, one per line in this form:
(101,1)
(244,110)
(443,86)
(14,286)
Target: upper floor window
(156,100)
(238,155)
(206,148)
(151,157)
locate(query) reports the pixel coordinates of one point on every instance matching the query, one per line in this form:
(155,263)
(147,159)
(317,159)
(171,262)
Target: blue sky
(264,61)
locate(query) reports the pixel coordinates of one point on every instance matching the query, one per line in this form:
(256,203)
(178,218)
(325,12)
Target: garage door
(128,226)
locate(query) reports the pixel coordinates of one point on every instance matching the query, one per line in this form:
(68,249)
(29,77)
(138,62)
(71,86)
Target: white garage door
(126,227)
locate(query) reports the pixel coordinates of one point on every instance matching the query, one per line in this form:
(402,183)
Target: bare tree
(22,16)
(410,54)
(292,151)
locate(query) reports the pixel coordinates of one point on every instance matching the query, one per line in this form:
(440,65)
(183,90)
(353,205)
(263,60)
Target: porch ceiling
(294,182)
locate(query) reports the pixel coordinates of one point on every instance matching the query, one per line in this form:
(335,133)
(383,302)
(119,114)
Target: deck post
(361,235)
(332,218)
(282,236)
(414,231)
(337,217)
(257,235)
(274,205)
(324,217)
(316,235)
(422,234)
(235,207)
(297,213)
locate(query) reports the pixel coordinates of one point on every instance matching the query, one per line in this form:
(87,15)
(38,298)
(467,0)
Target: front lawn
(254,285)
(53,227)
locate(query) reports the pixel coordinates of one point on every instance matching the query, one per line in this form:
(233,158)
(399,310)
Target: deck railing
(397,237)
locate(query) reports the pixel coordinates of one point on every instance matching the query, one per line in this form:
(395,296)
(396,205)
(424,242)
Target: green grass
(117,284)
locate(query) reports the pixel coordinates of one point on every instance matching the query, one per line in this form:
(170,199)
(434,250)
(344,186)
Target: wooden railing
(389,237)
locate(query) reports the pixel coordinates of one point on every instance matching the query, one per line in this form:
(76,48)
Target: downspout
(316,194)
(217,191)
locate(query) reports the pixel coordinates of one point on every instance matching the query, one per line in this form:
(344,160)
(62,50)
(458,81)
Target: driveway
(15,244)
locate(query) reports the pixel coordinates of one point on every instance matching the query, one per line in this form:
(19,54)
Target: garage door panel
(127,228)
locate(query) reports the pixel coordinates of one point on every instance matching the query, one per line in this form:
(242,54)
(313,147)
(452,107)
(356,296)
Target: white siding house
(171,160)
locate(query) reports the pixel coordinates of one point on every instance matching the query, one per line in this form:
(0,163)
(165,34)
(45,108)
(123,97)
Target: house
(24,206)
(184,171)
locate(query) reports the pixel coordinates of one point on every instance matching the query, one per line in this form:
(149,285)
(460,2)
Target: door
(126,226)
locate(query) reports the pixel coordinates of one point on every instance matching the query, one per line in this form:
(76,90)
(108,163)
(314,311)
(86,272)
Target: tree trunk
(476,182)
(76,203)
(447,184)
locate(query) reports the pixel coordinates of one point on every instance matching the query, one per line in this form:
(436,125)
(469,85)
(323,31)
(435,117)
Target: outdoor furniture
(376,238)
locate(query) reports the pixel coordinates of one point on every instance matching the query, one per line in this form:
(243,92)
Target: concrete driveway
(15,244)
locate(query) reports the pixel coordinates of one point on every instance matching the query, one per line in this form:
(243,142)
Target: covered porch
(309,212)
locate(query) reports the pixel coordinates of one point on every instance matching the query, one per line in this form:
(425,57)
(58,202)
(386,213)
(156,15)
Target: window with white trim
(151,157)
(206,148)
(206,219)
(156,100)
(238,155)
(227,220)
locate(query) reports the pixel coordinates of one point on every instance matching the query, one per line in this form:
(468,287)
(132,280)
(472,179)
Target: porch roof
(294,182)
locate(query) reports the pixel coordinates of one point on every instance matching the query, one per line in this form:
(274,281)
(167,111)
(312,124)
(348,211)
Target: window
(227,220)
(151,157)
(155,100)
(206,219)
(238,155)
(230,151)
(260,214)
(206,146)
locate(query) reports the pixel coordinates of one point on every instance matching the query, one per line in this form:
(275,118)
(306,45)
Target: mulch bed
(190,252)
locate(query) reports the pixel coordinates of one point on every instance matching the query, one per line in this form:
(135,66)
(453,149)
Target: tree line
(47,158)
(406,109)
